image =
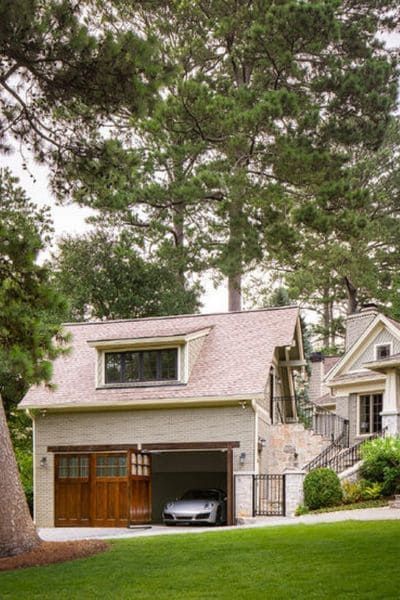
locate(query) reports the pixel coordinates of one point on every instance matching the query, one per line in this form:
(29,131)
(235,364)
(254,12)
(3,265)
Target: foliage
(30,335)
(20,426)
(302,509)
(104,277)
(265,562)
(381,463)
(64,68)
(377,503)
(352,492)
(248,148)
(322,488)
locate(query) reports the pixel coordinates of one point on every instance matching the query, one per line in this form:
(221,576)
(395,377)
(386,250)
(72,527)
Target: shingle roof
(330,362)
(235,357)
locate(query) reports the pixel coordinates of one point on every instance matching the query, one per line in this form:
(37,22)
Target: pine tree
(29,340)
(274,97)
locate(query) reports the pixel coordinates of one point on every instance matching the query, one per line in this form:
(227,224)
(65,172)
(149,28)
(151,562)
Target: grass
(350,560)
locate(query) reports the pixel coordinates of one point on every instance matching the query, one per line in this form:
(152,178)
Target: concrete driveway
(61,534)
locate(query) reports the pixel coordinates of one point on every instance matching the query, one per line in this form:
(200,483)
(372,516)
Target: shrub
(301,510)
(372,492)
(381,463)
(352,492)
(322,488)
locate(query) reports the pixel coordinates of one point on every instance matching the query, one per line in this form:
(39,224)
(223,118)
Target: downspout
(254,406)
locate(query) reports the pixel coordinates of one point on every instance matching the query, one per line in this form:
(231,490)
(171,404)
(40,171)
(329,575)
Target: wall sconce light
(43,462)
(242,458)
(261,443)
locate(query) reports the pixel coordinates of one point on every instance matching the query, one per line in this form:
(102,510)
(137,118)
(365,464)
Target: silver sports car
(197,506)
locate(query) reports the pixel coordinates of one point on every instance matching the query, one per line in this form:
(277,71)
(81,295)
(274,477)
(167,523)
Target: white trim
(379,319)
(144,404)
(158,341)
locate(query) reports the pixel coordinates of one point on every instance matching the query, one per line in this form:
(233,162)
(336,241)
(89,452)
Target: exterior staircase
(302,431)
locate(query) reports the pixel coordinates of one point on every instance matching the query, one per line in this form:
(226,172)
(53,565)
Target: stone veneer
(285,439)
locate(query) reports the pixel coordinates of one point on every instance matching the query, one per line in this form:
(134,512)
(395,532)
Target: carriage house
(142,410)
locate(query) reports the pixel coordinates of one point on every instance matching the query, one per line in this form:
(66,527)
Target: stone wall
(286,439)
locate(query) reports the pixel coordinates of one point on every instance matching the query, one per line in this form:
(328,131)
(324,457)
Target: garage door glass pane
(73,467)
(111,466)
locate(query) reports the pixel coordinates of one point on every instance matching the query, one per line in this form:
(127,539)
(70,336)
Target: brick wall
(126,427)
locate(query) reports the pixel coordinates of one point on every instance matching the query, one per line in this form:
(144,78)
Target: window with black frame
(141,366)
(370,418)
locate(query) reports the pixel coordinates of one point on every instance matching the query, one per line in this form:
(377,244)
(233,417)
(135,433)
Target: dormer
(144,362)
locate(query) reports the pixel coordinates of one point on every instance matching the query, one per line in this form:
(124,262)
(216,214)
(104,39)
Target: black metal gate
(269,495)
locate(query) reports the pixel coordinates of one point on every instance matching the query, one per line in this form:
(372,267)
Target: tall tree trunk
(234,257)
(179,234)
(235,292)
(326,318)
(352,302)
(17,531)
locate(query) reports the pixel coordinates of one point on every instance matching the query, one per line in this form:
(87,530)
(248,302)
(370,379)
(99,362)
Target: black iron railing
(269,495)
(291,409)
(349,456)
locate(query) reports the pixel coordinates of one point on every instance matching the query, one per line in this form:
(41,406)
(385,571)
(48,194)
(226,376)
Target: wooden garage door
(102,489)
(109,494)
(72,489)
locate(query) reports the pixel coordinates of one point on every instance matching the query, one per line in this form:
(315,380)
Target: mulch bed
(47,553)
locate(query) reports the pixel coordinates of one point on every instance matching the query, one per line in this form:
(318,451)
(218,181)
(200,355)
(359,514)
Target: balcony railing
(291,409)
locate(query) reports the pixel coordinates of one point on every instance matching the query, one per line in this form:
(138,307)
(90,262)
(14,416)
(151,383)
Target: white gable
(380,331)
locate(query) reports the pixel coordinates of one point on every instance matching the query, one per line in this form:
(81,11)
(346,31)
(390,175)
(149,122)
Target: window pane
(168,364)
(131,366)
(74,466)
(376,410)
(149,365)
(63,467)
(383,351)
(111,466)
(113,367)
(364,414)
(84,467)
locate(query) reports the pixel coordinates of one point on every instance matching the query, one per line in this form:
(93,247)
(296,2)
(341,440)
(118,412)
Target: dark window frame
(141,367)
(377,350)
(374,404)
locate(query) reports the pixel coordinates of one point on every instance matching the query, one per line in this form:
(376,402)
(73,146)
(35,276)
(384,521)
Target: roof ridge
(183,316)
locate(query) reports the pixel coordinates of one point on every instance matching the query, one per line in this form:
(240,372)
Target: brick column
(243,495)
(294,494)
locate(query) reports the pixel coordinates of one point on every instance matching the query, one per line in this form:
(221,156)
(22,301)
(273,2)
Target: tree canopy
(30,306)
(104,277)
(262,115)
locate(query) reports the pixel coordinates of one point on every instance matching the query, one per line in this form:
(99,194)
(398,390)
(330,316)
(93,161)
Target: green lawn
(337,561)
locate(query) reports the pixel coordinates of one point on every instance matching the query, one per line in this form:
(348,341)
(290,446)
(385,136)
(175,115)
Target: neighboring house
(143,409)
(363,384)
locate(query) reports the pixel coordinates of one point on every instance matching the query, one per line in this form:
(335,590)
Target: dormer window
(141,366)
(383,351)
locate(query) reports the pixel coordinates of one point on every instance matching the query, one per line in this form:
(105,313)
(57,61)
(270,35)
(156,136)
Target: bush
(322,488)
(381,463)
(352,492)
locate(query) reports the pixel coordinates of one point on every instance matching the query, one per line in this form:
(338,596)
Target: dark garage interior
(175,472)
